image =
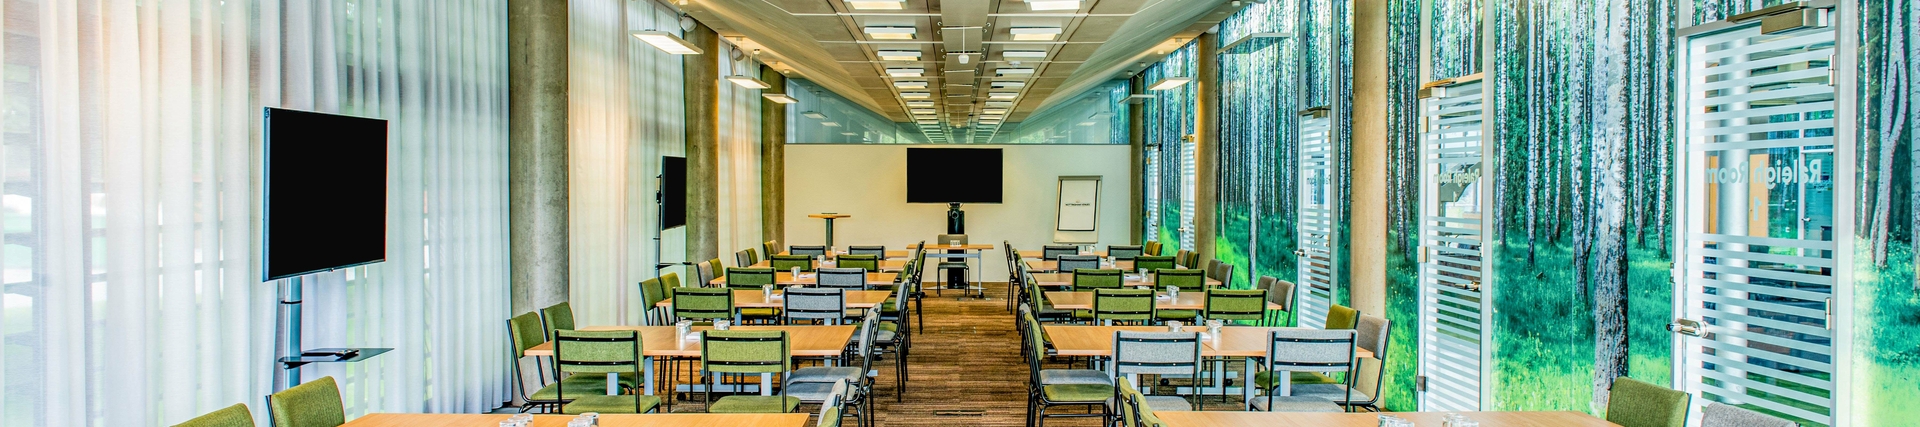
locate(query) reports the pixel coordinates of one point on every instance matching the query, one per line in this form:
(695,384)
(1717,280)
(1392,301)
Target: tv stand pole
(290,300)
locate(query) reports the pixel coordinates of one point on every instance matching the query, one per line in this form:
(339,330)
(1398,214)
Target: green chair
(868,262)
(1635,403)
(743,353)
(557,317)
(524,333)
(1152,248)
(1186,279)
(1120,252)
(1133,409)
(1181,259)
(1374,334)
(670,281)
(231,416)
(703,304)
(1041,396)
(772,248)
(1339,317)
(652,292)
(603,353)
(1236,305)
(312,404)
(787,263)
(704,273)
(1153,263)
(753,255)
(744,259)
(877,251)
(1122,305)
(1087,279)
(750,278)
(1280,293)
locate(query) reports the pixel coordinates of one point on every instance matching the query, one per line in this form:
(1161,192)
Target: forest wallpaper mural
(1258,148)
(1886,311)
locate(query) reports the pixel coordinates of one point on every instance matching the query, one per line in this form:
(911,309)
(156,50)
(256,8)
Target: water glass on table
(1393,421)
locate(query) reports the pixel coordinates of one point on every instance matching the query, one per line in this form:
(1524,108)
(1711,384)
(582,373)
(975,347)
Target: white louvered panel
(1757,254)
(1315,266)
(1452,339)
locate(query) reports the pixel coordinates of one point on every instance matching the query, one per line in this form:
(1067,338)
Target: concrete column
(1206,164)
(773,159)
(702,77)
(537,152)
(1137,141)
(1367,275)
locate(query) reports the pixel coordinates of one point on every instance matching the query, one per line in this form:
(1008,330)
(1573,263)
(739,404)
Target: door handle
(1688,327)
(1299,252)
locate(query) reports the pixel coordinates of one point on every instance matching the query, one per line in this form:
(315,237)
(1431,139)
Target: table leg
(766,384)
(1246,383)
(829,234)
(646,366)
(613,383)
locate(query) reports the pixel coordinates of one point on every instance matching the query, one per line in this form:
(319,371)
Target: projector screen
(953,175)
(325,193)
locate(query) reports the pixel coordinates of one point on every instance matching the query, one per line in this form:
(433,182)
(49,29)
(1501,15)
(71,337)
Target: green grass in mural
(1543,329)
(1403,306)
(1887,332)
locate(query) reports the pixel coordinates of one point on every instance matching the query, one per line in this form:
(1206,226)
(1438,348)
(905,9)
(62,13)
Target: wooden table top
(659,341)
(606,420)
(1097,341)
(969,247)
(786,278)
(891,254)
(829,216)
(1336,419)
(1083,300)
(885,265)
(1040,254)
(743,298)
(1062,280)
(1036,265)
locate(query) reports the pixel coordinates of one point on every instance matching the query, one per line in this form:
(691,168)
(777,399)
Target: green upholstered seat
(868,262)
(1087,279)
(621,404)
(1177,314)
(1226,304)
(784,263)
(1152,248)
(748,352)
(829,417)
(1342,317)
(582,384)
(231,416)
(557,317)
(312,404)
(597,354)
(755,405)
(1186,279)
(1123,304)
(1152,263)
(750,278)
(670,281)
(1635,403)
(1068,393)
(703,304)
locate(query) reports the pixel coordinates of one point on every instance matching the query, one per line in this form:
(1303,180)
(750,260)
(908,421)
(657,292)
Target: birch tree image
(1893,120)
(1609,249)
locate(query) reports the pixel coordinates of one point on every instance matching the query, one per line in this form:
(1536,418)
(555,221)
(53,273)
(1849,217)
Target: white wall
(869,182)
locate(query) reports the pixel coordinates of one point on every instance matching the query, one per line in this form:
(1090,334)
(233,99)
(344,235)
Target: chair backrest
(1122,304)
(809,250)
(864,262)
(750,278)
(744,259)
(1722,415)
(1223,273)
(670,281)
(950,239)
(1279,292)
(1181,258)
(1186,279)
(1159,353)
(745,352)
(1070,263)
(1125,251)
(231,416)
(1374,331)
(703,303)
(1342,317)
(827,305)
(877,251)
(596,352)
(311,404)
(1134,411)
(830,409)
(1053,252)
(1635,403)
(1213,268)
(786,263)
(869,329)
(1152,247)
(557,317)
(1089,279)
(1151,263)
(705,272)
(1229,304)
(1313,350)
(771,247)
(525,332)
(842,278)
(651,292)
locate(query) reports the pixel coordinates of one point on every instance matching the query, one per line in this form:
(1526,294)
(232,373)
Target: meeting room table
(1050,266)
(1033,254)
(891,254)
(892,265)
(746,298)
(1083,300)
(784,278)
(1065,280)
(1240,342)
(805,341)
(1339,419)
(606,420)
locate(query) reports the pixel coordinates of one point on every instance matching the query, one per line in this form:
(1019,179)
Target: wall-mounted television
(325,193)
(673,192)
(953,175)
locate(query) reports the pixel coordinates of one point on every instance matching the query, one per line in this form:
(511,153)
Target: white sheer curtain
(129,146)
(739,155)
(627,109)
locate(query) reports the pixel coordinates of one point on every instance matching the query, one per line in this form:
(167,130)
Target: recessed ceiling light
(1170,83)
(830,124)
(1087,123)
(1033,34)
(920,104)
(900,55)
(893,33)
(848,133)
(994,111)
(915,95)
(1009,85)
(779,98)
(1003,72)
(748,82)
(878,4)
(1023,54)
(1002,95)
(910,84)
(924,111)
(667,42)
(906,72)
(814,115)
(1053,4)
(999,103)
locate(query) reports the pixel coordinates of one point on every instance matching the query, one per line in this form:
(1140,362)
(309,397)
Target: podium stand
(829,217)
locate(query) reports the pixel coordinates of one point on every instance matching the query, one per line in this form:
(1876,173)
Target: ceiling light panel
(1009,85)
(1053,4)
(1170,83)
(920,104)
(1000,104)
(906,72)
(1005,72)
(667,42)
(924,111)
(1033,34)
(994,111)
(917,84)
(900,55)
(779,98)
(748,82)
(1023,54)
(897,33)
(915,95)
(1002,95)
(878,4)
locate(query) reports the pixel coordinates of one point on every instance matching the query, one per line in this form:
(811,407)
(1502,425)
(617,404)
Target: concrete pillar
(1367,275)
(1137,142)
(773,159)
(1206,163)
(537,152)
(702,77)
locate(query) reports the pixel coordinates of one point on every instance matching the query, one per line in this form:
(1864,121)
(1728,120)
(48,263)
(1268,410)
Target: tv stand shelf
(291,362)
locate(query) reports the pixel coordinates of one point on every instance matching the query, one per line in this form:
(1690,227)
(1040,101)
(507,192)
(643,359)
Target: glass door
(1452,299)
(1315,239)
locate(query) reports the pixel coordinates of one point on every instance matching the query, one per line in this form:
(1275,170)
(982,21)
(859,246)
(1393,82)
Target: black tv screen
(673,192)
(953,175)
(325,197)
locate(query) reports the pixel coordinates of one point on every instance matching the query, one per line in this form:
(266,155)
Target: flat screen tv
(953,175)
(673,192)
(325,197)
